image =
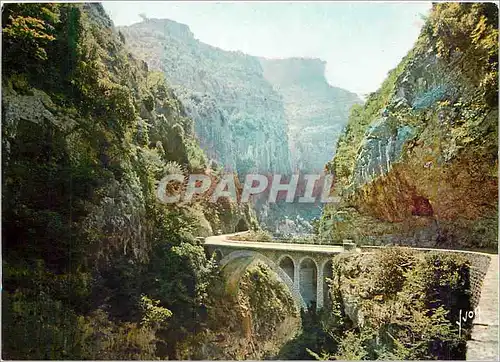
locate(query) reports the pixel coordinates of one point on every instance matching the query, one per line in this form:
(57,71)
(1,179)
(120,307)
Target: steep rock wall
(419,161)
(250,114)
(315,111)
(239,118)
(87,133)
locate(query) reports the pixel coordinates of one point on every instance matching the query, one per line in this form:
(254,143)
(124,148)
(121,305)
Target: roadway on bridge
(484,343)
(223,240)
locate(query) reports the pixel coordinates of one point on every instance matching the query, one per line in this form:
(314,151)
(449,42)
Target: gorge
(94,267)
(250,114)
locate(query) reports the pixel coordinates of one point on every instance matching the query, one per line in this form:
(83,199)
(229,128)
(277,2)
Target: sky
(360,41)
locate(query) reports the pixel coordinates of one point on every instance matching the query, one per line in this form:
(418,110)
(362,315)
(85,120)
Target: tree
(27,30)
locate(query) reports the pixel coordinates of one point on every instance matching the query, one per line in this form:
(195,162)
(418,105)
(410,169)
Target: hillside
(418,162)
(250,114)
(93,266)
(284,108)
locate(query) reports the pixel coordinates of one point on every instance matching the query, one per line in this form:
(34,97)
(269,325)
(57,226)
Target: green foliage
(466,37)
(37,328)
(37,183)
(27,30)
(443,280)
(406,304)
(41,327)
(261,314)
(336,225)
(351,348)
(154,315)
(102,339)
(389,273)
(94,265)
(269,300)
(196,157)
(179,276)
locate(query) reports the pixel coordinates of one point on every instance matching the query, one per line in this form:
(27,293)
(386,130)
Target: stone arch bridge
(302,267)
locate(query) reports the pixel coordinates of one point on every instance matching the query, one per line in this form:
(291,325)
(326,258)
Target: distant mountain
(239,117)
(250,113)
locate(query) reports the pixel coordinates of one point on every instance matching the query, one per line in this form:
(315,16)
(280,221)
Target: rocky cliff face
(250,114)
(251,316)
(274,115)
(87,133)
(315,111)
(239,117)
(418,163)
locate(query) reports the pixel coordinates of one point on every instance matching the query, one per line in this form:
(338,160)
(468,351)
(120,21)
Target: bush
(403,304)
(269,300)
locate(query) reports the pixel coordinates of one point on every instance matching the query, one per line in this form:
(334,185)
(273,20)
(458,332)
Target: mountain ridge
(226,76)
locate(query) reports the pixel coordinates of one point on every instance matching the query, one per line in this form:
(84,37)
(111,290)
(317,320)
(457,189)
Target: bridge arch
(308,280)
(287,263)
(250,256)
(219,255)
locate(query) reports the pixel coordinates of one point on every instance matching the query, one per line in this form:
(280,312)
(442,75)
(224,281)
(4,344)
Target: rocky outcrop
(251,316)
(380,149)
(250,114)
(419,161)
(239,118)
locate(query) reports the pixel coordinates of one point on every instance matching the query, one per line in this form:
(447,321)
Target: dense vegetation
(94,267)
(393,304)
(417,163)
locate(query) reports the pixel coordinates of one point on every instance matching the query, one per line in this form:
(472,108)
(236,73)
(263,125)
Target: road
(223,240)
(484,343)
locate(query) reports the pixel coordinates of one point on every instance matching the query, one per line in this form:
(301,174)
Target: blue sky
(360,41)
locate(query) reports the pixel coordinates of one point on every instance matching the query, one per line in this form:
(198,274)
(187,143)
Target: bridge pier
(319,288)
(296,277)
